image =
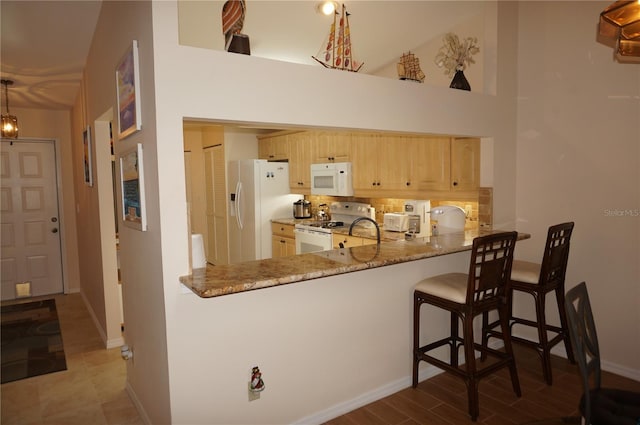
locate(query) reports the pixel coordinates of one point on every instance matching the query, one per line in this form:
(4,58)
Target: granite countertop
(214,281)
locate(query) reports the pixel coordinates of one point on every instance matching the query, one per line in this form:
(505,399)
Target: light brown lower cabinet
(349,241)
(282,247)
(283,242)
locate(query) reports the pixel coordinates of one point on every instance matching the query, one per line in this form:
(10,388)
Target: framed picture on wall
(86,157)
(132,187)
(128,89)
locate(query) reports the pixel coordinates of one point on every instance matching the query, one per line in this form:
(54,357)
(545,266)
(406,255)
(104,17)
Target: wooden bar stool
(537,280)
(484,288)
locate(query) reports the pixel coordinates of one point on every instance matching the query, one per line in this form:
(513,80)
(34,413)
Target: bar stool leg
(470,360)
(542,337)
(416,339)
(485,335)
(504,316)
(564,324)
(454,340)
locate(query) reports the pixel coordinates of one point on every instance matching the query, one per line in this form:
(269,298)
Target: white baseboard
(87,304)
(379,393)
(366,398)
(108,343)
(115,342)
(607,366)
(136,402)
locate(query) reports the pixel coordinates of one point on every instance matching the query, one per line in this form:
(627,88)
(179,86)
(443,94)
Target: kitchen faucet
(367,219)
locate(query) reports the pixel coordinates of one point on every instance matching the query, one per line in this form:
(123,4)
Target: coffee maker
(419,219)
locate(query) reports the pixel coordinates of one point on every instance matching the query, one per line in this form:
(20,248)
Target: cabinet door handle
(455,183)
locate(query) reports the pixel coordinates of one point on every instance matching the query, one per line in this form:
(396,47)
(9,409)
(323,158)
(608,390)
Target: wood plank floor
(443,399)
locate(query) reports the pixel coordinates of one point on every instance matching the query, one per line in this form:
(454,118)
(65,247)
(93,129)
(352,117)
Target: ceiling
(44,44)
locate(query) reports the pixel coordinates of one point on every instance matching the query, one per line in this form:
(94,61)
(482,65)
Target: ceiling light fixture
(327,7)
(9,122)
(619,27)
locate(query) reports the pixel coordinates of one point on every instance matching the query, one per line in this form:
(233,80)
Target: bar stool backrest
(584,340)
(490,269)
(556,254)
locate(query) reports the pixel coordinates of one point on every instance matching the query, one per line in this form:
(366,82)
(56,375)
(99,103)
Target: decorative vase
(460,81)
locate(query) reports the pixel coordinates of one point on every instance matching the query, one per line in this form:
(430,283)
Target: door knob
(54,230)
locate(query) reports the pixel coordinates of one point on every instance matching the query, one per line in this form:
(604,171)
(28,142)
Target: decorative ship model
(409,68)
(336,52)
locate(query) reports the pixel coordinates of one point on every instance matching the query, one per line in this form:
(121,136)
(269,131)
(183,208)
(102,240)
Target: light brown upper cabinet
(465,164)
(429,161)
(301,146)
(381,164)
(274,148)
(331,146)
(384,165)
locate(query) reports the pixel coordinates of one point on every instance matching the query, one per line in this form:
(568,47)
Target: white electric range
(313,236)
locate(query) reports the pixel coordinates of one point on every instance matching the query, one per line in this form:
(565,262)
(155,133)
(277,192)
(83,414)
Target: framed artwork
(128,88)
(86,157)
(132,186)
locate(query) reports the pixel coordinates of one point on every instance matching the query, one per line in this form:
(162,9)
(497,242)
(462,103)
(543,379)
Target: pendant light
(620,27)
(9,122)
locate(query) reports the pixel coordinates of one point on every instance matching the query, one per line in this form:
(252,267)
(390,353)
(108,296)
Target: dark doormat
(31,340)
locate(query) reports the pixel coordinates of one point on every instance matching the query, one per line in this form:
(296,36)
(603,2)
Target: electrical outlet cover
(252,394)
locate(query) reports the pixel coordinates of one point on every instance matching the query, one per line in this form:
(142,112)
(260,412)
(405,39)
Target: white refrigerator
(259,192)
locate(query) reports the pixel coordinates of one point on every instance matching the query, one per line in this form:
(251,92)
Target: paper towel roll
(198,259)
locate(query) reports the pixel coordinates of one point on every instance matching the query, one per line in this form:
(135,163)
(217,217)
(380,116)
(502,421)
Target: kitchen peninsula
(215,281)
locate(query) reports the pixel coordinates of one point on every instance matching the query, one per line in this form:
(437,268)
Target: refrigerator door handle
(237,205)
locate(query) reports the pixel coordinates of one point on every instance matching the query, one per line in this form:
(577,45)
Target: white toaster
(396,222)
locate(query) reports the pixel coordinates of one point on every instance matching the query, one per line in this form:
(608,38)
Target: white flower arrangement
(455,55)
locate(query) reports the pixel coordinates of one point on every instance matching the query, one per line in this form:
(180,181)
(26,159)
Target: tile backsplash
(479,212)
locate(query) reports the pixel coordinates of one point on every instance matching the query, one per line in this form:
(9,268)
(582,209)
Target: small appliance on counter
(396,222)
(449,218)
(302,209)
(419,217)
(323,213)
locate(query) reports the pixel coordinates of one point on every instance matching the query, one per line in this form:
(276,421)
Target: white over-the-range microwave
(332,179)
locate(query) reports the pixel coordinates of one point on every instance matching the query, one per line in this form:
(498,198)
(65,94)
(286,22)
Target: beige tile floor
(90,391)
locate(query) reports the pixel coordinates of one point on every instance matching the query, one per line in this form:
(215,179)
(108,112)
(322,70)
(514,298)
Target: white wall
(578,158)
(213,343)
(321,345)
(140,252)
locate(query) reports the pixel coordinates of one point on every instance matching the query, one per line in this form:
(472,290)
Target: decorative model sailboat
(336,52)
(409,68)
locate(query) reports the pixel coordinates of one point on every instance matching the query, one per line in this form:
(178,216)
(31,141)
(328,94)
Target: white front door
(30,227)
